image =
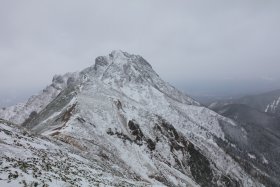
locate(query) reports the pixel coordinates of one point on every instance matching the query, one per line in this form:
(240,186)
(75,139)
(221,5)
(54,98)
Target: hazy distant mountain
(207,100)
(119,124)
(266,102)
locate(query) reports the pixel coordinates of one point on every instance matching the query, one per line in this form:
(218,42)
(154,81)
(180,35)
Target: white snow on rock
(272,107)
(20,112)
(251,156)
(27,160)
(123,116)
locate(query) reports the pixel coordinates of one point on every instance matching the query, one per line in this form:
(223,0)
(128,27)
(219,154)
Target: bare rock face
(121,116)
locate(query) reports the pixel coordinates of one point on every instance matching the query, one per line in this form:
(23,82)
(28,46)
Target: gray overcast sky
(195,45)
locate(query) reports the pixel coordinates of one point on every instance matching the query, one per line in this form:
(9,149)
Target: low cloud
(185,41)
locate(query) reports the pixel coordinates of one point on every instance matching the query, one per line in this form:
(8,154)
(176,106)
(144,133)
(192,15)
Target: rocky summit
(117,123)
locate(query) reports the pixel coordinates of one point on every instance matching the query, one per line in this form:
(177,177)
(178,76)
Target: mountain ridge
(120,113)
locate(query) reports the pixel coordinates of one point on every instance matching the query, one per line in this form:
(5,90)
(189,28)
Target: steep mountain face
(262,140)
(258,117)
(267,102)
(120,114)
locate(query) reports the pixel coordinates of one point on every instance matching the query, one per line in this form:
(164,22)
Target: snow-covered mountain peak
(121,67)
(121,60)
(128,73)
(133,75)
(120,114)
(117,54)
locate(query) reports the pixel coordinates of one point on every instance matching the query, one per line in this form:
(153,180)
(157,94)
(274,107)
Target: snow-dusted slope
(273,107)
(260,146)
(20,112)
(121,113)
(27,160)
